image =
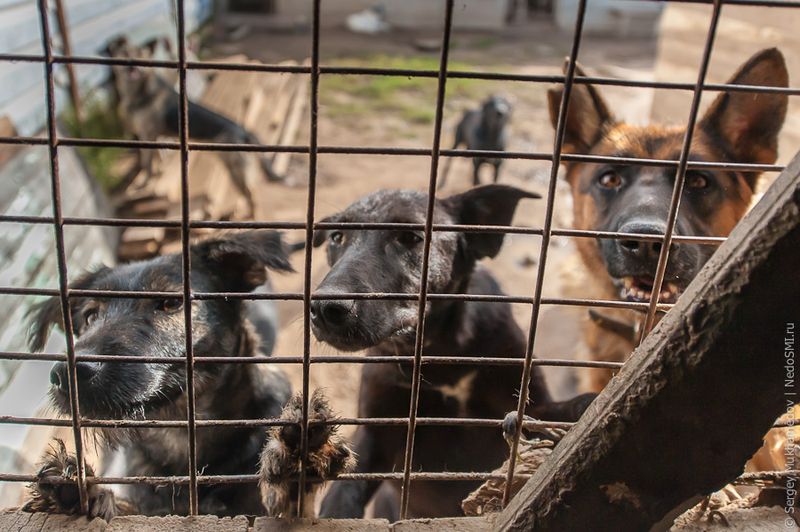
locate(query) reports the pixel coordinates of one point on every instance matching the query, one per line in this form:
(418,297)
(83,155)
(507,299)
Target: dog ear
(587,115)
(748,123)
(486,205)
(321,235)
(42,316)
(241,258)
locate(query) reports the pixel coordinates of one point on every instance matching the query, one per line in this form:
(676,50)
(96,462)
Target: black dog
(233,262)
(483,129)
(390,261)
(149,108)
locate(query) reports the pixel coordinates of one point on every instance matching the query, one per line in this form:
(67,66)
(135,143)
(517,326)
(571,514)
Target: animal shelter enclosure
(748,282)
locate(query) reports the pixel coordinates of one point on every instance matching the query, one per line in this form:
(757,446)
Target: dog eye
(609,179)
(169,305)
(409,238)
(89,317)
(336,237)
(696,180)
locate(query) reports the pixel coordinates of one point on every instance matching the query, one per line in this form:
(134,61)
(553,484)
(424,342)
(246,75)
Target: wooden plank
(7,151)
(692,404)
(289,134)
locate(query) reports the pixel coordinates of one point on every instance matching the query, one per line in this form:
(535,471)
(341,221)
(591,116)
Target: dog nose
(638,249)
(330,313)
(59,376)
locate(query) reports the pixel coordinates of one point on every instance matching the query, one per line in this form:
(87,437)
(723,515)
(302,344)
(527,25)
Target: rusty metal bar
(769,476)
(372,226)
(397,72)
(307,290)
(680,173)
(318,359)
(52,142)
(416,375)
(546,234)
(277,422)
(66,44)
(296,296)
(389,150)
(186,255)
(272,422)
(711,375)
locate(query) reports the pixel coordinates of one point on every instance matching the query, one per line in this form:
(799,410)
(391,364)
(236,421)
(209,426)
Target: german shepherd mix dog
(365,261)
(739,127)
(148,107)
(485,128)
(233,262)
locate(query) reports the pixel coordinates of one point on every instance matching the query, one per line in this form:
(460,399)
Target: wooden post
(694,401)
(67,51)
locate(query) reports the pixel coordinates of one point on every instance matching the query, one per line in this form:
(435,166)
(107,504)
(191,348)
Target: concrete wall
(92,23)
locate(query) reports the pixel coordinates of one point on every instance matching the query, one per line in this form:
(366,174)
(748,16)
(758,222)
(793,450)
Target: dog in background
(148,107)
(365,261)
(232,262)
(485,128)
(738,127)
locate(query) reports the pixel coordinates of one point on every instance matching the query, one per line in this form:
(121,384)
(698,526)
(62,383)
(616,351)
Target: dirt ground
(348,116)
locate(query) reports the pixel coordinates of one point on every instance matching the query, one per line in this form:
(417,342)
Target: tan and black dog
(740,127)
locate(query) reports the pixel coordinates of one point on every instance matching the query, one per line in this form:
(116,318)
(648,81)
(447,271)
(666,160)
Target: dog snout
(331,314)
(638,250)
(59,375)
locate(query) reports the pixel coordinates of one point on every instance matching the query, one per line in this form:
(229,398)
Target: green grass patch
(412,98)
(484,43)
(99,122)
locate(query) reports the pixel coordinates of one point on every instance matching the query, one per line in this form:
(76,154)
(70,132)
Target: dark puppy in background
(483,129)
(390,261)
(148,107)
(738,127)
(232,262)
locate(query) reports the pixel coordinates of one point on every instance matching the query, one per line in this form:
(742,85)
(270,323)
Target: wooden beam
(66,49)
(695,399)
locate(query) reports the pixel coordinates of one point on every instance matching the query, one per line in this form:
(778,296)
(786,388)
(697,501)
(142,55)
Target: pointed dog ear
(42,316)
(587,115)
(486,205)
(241,259)
(748,123)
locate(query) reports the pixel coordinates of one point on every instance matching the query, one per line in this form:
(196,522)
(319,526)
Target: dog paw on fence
(49,495)
(328,456)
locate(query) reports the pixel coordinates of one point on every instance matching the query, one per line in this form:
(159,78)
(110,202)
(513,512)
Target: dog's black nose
(59,377)
(330,313)
(640,250)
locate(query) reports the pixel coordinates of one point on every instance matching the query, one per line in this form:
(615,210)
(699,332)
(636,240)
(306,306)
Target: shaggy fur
(232,262)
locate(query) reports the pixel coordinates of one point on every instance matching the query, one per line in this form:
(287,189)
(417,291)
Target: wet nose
(640,250)
(59,376)
(331,313)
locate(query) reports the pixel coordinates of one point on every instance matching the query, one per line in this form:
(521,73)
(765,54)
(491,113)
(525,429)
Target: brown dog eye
(409,238)
(610,180)
(169,305)
(336,237)
(696,180)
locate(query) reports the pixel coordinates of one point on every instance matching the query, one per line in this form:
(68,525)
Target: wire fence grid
(314,70)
